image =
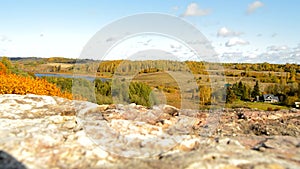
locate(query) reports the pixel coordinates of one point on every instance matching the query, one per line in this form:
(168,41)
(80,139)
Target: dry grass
(164,82)
(63,65)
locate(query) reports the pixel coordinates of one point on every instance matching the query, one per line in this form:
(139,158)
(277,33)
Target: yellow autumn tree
(15,84)
(2,69)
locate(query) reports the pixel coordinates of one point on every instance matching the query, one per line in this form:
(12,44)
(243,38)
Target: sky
(239,31)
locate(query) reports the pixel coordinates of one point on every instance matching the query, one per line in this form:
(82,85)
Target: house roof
(270,96)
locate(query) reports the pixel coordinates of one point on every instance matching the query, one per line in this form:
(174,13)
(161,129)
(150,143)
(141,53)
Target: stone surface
(51,132)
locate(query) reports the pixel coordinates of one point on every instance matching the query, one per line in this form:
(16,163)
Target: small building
(297,105)
(270,98)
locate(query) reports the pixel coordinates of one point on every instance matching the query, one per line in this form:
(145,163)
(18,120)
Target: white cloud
(277,48)
(225,32)
(271,54)
(231,56)
(254,6)
(251,55)
(194,10)
(236,41)
(4,38)
(236,57)
(5,42)
(281,54)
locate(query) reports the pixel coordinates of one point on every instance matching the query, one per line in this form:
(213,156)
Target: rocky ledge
(51,132)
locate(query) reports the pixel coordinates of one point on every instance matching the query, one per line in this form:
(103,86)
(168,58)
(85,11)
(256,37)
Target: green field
(257,105)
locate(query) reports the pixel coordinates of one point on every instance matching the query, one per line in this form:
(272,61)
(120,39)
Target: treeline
(266,77)
(102,92)
(132,67)
(50,60)
(242,91)
(148,66)
(194,66)
(255,70)
(47,65)
(264,67)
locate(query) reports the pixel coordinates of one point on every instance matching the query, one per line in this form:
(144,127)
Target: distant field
(258,105)
(164,82)
(157,79)
(63,65)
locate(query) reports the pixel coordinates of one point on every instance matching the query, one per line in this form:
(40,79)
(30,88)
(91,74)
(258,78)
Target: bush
(14,84)
(290,100)
(139,93)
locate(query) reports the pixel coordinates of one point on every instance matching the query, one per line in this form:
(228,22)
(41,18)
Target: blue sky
(239,31)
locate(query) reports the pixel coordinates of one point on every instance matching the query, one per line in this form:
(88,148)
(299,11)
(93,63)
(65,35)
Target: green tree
(6,62)
(241,91)
(65,84)
(255,91)
(230,96)
(139,93)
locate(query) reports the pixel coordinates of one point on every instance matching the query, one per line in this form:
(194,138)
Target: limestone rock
(173,111)
(52,132)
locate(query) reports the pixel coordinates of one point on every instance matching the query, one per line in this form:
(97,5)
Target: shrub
(14,84)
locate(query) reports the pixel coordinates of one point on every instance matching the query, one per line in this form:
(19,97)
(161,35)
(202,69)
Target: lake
(90,78)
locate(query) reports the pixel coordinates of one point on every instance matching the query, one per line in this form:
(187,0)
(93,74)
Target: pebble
(69,124)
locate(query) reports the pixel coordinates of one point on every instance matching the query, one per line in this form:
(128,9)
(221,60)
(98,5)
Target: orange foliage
(2,69)
(14,84)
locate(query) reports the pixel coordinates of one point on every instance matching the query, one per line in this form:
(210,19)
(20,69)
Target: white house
(297,105)
(270,98)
